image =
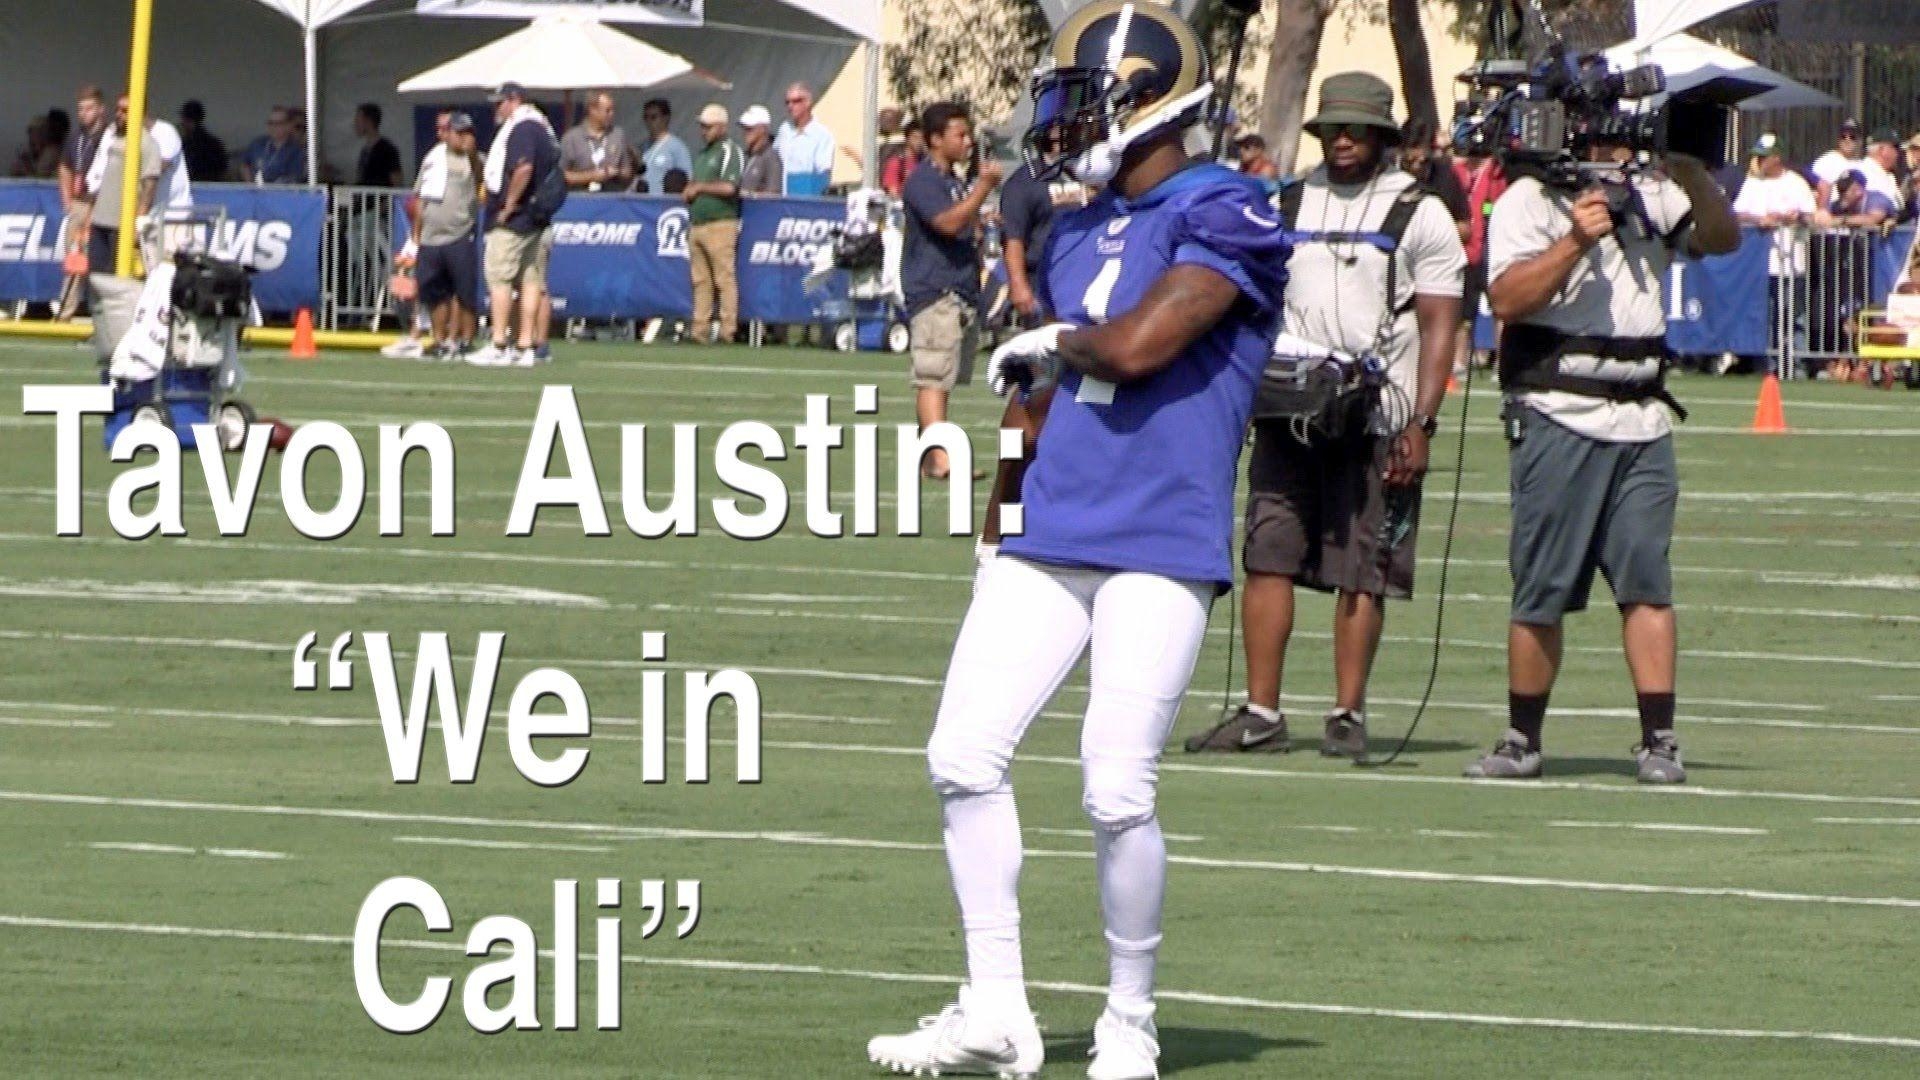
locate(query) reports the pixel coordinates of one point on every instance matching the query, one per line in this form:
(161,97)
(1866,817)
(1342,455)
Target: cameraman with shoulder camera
(1576,273)
(1375,282)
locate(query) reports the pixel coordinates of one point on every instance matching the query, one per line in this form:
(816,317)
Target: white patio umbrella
(1719,74)
(565,52)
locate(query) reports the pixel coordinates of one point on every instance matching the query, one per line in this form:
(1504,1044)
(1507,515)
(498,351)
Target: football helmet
(1122,70)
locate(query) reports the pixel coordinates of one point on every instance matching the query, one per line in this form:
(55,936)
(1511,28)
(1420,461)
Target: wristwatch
(1427,423)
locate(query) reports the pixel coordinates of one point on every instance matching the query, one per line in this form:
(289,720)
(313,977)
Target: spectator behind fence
(762,174)
(104,184)
(595,152)
(379,162)
(665,153)
(76,161)
(1776,200)
(206,156)
(893,178)
(1883,151)
(445,197)
(1849,155)
(278,157)
(940,271)
(1855,204)
(713,198)
(805,145)
(173,195)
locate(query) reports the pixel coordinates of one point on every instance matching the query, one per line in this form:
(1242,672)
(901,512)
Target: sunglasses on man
(1356,132)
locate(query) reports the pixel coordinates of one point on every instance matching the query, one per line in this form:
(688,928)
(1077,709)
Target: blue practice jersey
(1141,477)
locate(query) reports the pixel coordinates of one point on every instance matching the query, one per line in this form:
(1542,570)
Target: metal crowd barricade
(1837,286)
(356,257)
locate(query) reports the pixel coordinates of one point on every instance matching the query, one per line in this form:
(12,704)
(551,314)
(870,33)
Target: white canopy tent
(238,57)
(1654,20)
(562,52)
(1719,74)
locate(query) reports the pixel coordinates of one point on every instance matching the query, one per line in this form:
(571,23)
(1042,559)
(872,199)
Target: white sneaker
(525,357)
(1125,1048)
(491,355)
(964,1039)
(407,348)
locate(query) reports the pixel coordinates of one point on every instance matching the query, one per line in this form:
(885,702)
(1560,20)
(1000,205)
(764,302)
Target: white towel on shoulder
(496,170)
(432,183)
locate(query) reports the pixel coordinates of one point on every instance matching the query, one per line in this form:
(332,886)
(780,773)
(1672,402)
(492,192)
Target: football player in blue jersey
(1168,287)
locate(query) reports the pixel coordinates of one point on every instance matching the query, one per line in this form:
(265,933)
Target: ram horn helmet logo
(673,234)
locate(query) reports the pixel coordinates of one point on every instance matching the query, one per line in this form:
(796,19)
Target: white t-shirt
(1616,290)
(1787,193)
(1336,292)
(1831,165)
(175,190)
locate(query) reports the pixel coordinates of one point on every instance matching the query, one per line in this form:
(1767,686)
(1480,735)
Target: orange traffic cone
(1769,418)
(302,347)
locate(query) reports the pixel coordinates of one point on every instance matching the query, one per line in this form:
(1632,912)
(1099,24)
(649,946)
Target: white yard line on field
(817,840)
(499,845)
(1661,826)
(176,849)
(1619,1027)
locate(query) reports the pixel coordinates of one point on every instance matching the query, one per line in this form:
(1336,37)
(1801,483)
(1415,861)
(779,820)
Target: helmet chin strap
(1099,163)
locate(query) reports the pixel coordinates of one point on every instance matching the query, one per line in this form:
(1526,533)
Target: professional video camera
(1543,117)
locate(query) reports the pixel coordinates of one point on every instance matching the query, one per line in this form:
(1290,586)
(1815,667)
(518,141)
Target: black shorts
(449,271)
(1322,515)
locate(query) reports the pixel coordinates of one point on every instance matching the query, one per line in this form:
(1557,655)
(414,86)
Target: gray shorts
(1581,505)
(1322,516)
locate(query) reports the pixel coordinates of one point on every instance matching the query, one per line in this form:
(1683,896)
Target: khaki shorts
(1320,514)
(518,258)
(945,337)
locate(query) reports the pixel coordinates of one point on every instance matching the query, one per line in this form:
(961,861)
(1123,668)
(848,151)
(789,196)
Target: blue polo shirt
(283,164)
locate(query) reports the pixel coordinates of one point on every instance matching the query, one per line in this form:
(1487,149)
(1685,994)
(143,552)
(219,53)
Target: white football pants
(1027,627)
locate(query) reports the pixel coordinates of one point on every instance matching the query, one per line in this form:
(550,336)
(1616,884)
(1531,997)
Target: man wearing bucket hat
(1376,283)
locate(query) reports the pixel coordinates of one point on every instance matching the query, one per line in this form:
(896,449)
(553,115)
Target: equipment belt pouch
(1318,401)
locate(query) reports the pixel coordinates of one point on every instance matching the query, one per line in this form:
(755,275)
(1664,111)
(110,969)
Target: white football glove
(1030,361)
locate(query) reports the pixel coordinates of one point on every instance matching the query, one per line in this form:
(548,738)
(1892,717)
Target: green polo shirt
(721,160)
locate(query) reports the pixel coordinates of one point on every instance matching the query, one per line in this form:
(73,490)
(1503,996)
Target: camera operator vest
(1531,356)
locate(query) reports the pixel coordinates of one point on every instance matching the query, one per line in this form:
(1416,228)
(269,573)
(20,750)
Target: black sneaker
(1345,735)
(1243,732)
(1659,760)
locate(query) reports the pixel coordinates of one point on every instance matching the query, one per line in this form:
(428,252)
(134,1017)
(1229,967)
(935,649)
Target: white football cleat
(964,1040)
(1125,1048)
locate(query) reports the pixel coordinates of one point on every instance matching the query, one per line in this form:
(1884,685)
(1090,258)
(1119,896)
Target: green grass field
(1324,921)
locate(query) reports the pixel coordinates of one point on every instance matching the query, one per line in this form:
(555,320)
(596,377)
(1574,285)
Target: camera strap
(1530,357)
(1388,238)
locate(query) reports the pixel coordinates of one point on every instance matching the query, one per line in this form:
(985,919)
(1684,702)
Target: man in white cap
(713,209)
(762,175)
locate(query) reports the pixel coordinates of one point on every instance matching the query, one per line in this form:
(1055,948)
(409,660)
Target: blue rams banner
(779,240)
(274,230)
(1720,304)
(621,256)
(31,246)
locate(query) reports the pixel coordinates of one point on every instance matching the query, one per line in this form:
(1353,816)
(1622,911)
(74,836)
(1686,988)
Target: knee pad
(1119,793)
(958,765)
